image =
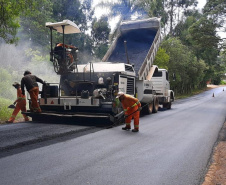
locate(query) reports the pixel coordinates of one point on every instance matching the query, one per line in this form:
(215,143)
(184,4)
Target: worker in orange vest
(20,104)
(132,108)
(30,81)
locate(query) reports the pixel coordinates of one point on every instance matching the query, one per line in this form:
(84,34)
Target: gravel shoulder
(216,174)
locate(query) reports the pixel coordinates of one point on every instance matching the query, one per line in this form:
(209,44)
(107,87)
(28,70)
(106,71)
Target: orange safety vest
(130,103)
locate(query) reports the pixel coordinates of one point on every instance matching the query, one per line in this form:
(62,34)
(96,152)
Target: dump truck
(90,90)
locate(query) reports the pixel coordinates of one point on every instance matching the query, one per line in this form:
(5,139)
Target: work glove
(140,108)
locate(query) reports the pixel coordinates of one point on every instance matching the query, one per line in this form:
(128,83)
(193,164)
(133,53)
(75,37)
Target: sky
(201,3)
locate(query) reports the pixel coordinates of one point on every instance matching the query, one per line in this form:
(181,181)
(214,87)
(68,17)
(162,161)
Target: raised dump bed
(141,41)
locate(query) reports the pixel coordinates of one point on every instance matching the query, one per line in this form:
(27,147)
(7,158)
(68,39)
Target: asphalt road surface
(173,147)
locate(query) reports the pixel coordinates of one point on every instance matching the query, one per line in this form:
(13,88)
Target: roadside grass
(5,112)
(194,92)
(223,82)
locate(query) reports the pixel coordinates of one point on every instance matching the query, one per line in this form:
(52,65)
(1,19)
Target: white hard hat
(119,94)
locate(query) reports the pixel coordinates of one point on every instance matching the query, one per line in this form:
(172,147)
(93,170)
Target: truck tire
(155,105)
(148,109)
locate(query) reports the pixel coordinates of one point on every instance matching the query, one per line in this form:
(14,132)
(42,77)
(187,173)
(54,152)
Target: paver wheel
(56,65)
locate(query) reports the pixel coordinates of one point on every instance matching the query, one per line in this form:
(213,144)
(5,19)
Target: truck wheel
(156,105)
(148,109)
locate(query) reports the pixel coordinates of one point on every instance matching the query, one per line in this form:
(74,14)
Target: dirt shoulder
(216,174)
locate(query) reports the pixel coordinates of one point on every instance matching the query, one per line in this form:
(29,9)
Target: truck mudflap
(81,118)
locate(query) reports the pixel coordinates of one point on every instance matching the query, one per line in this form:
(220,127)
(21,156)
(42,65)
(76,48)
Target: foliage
(5,112)
(188,70)
(162,59)
(100,33)
(182,28)
(202,34)
(223,82)
(176,10)
(216,10)
(72,10)
(9,17)
(100,30)
(220,68)
(33,27)
(171,12)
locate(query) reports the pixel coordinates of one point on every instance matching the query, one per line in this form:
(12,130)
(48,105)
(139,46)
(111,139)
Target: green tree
(202,35)
(189,71)
(10,12)
(216,10)
(100,34)
(182,28)
(33,27)
(219,68)
(72,10)
(162,59)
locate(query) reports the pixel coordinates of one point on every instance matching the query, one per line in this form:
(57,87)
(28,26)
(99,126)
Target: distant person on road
(20,104)
(30,81)
(132,108)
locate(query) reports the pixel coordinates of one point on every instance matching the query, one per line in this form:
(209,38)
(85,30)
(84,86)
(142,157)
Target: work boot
(135,130)
(9,121)
(126,128)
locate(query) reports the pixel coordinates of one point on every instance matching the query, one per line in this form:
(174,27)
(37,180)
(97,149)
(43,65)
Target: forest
(192,47)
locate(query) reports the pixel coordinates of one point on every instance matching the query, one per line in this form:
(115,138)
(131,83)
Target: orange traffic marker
(213,94)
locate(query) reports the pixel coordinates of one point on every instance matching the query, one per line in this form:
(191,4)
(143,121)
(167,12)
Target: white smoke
(14,60)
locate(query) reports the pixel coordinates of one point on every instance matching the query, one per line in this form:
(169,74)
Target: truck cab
(161,86)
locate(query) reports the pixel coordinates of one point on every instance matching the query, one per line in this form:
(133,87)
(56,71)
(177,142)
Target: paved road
(172,147)
(21,134)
